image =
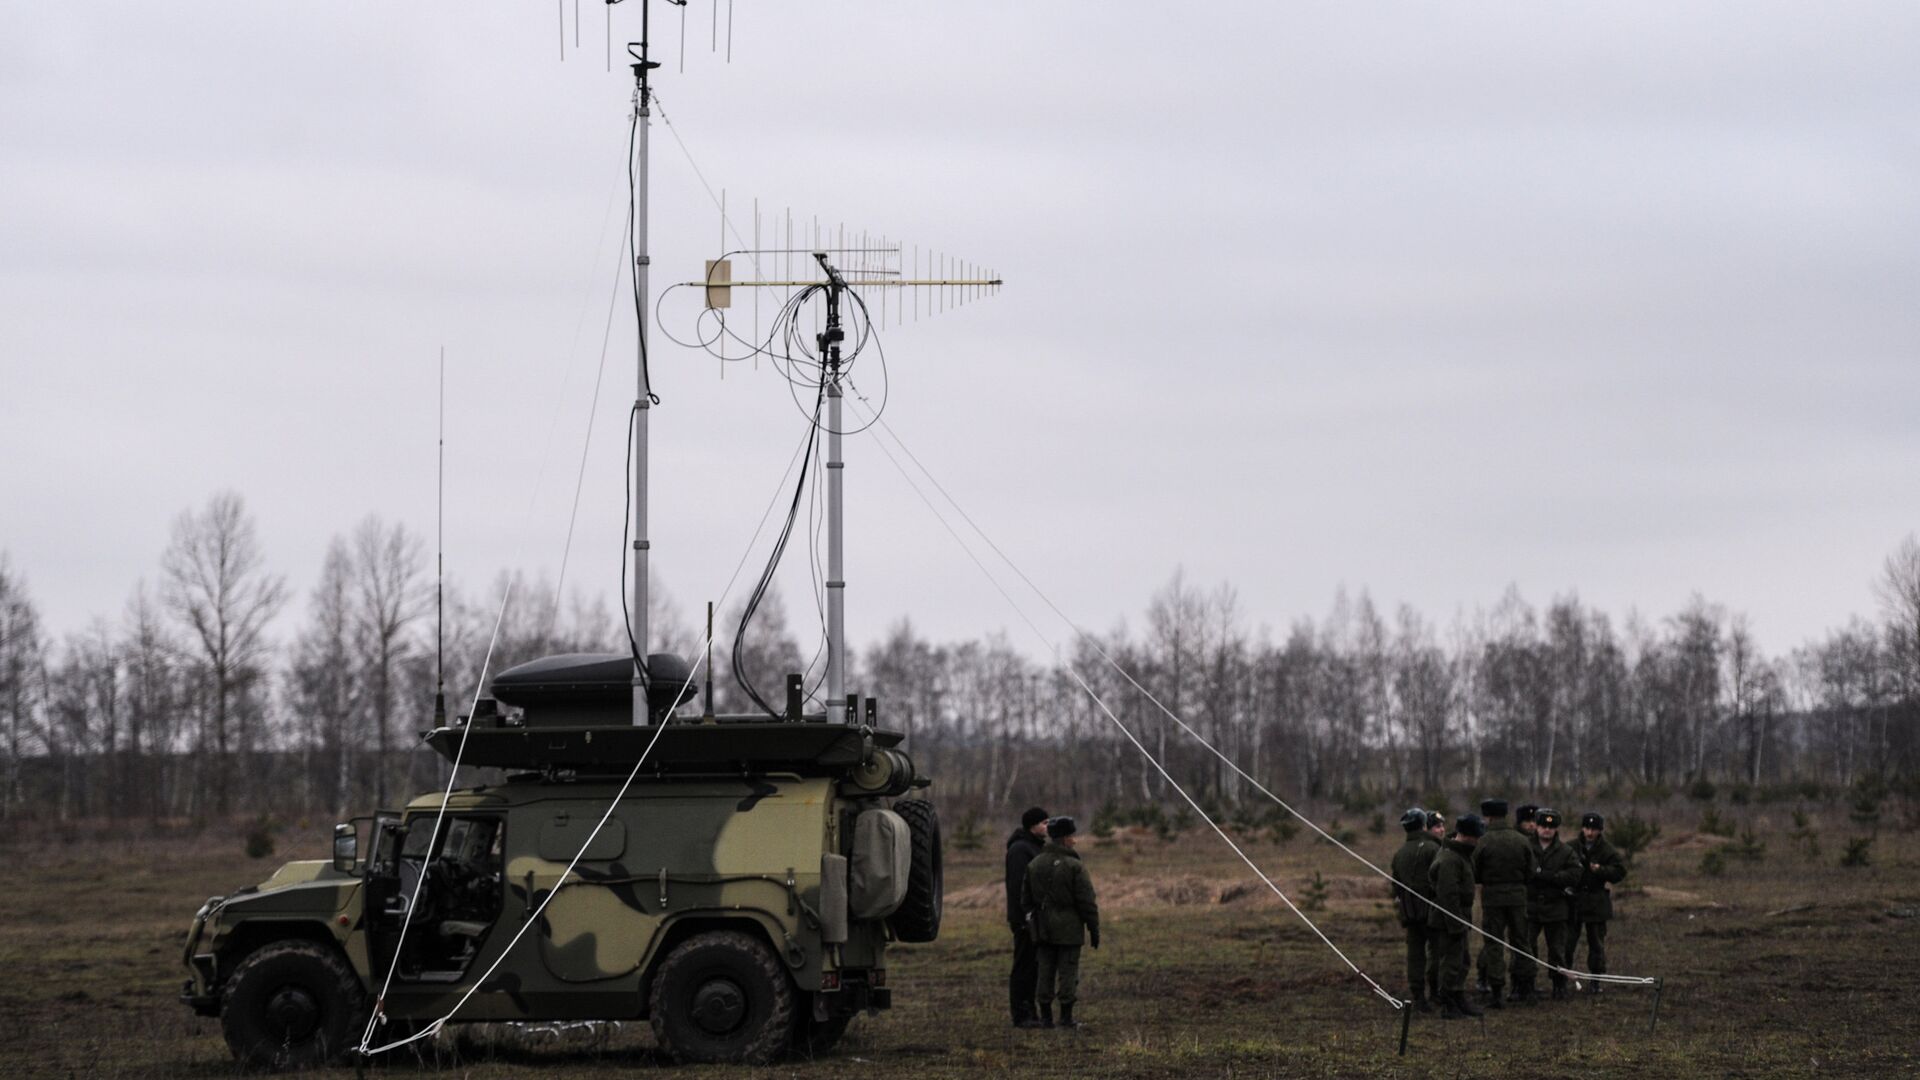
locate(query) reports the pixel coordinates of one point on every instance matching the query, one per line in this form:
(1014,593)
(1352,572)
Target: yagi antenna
(840,274)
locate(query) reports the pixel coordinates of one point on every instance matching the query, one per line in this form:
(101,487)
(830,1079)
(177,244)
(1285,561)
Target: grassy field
(1788,966)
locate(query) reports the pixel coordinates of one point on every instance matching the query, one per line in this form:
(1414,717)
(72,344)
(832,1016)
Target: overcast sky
(1420,298)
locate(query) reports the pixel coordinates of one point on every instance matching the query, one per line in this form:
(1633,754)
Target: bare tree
(20,660)
(216,587)
(387,597)
(154,701)
(322,682)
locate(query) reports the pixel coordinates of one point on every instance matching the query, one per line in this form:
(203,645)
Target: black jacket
(1022,846)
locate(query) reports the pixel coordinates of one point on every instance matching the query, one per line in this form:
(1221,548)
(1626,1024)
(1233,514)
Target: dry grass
(1200,976)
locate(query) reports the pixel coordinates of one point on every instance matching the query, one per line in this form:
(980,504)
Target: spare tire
(917,918)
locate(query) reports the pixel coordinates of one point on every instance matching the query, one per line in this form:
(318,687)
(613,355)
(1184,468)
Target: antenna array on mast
(720,40)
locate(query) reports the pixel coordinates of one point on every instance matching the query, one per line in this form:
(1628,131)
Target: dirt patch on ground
(1679,899)
(1693,841)
(1189,890)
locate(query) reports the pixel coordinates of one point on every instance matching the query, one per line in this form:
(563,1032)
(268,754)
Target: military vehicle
(740,896)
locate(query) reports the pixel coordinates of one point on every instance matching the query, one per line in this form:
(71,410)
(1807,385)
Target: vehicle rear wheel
(292,1004)
(722,996)
(918,917)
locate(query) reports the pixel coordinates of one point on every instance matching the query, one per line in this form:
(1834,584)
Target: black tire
(918,917)
(814,1038)
(292,1005)
(723,997)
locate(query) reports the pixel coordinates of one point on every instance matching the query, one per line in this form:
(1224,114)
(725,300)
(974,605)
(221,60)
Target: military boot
(1046,1014)
(1420,1002)
(1066,1016)
(1523,995)
(1464,1007)
(1494,991)
(1559,989)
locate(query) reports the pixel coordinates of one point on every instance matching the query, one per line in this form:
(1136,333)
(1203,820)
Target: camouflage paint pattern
(676,853)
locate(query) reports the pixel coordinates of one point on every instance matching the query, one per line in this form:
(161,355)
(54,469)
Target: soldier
(1436,828)
(1549,911)
(1022,846)
(1523,819)
(1503,864)
(1600,866)
(1451,875)
(1411,888)
(1060,905)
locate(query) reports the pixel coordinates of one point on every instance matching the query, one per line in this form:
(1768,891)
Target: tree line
(190,706)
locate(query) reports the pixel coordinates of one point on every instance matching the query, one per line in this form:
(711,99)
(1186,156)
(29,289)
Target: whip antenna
(440,559)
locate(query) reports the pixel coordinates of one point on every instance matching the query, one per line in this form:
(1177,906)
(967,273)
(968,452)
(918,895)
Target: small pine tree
(968,836)
(1316,893)
(1858,852)
(1632,835)
(1713,824)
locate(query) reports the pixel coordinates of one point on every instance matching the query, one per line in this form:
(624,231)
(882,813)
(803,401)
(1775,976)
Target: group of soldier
(1052,912)
(1532,887)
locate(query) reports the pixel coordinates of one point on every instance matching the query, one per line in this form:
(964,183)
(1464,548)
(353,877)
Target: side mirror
(346,848)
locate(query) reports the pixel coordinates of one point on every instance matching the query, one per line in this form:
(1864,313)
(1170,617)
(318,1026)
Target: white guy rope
(1124,730)
(1633,980)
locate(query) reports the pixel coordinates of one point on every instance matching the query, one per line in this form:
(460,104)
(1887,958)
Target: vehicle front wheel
(722,996)
(292,1004)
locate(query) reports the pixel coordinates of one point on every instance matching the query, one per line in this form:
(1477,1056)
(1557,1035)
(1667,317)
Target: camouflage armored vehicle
(740,896)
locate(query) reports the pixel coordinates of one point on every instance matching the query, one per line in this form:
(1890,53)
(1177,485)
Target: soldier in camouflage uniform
(1060,906)
(1503,865)
(1411,889)
(1451,875)
(1549,910)
(1600,866)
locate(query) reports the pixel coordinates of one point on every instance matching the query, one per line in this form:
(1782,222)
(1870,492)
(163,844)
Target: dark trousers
(1025,974)
(1559,944)
(1596,947)
(1059,966)
(1449,948)
(1423,959)
(1504,922)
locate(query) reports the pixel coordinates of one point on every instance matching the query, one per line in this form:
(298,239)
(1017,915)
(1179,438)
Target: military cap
(1592,820)
(1061,826)
(1414,819)
(1546,818)
(1032,817)
(1435,817)
(1494,807)
(1470,825)
(1525,812)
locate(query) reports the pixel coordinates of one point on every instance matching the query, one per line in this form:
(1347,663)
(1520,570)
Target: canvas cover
(833,899)
(882,859)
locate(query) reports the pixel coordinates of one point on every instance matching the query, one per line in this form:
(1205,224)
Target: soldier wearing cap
(1025,843)
(1412,894)
(1503,864)
(1060,902)
(1451,876)
(1549,909)
(1600,866)
(1523,819)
